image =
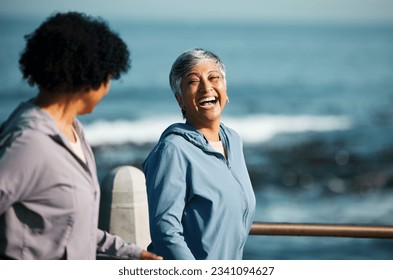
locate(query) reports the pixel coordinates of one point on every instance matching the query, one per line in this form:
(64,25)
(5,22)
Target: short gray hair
(188,60)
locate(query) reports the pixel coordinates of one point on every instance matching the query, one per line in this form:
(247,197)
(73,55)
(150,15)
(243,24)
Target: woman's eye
(193,82)
(214,78)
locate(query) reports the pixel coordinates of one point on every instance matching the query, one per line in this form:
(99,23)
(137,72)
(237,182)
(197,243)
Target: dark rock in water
(330,164)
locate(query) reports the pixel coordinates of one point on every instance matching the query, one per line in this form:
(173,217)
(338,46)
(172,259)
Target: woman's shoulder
(172,142)
(26,141)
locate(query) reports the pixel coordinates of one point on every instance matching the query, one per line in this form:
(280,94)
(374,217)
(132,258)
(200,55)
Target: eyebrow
(196,73)
(190,74)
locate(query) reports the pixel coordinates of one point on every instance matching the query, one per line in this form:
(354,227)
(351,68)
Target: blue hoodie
(201,204)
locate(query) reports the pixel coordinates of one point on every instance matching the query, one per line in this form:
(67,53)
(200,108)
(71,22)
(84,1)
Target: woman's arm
(20,162)
(115,246)
(166,190)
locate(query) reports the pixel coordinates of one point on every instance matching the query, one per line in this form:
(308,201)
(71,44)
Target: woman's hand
(145,255)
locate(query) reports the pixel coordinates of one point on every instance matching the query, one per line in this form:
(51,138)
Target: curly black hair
(71,51)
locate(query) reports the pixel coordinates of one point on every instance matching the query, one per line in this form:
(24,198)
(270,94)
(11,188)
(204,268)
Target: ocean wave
(252,129)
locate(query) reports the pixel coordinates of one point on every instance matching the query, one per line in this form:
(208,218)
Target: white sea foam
(252,129)
(262,128)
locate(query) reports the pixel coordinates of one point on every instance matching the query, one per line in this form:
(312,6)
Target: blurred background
(311,90)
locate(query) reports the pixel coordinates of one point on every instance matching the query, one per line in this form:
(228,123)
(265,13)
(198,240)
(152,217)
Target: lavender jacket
(49,198)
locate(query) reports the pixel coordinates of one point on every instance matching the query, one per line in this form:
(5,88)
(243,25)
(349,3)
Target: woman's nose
(205,85)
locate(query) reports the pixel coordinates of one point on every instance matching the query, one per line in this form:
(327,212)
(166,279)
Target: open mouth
(208,102)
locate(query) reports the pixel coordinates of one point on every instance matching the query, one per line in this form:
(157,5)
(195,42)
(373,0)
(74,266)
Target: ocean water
(312,103)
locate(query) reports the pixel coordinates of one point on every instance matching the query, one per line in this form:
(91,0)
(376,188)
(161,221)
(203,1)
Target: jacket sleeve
(19,162)
(115,246)
(166,192)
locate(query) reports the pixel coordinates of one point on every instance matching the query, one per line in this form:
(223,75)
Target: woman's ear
(179,99)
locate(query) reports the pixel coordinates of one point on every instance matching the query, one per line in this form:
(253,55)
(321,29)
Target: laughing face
(203,95)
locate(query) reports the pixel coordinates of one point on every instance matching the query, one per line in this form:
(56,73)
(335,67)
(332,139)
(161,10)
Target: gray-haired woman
(201,202)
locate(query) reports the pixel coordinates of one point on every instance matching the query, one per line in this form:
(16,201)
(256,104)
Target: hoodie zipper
(245,208)
(242,191)
(223,137)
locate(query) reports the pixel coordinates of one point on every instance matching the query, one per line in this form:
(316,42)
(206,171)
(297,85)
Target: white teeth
(208,99)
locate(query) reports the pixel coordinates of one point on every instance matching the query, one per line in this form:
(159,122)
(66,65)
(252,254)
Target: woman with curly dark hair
(49,192)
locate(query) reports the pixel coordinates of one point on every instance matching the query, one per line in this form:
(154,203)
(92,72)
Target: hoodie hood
(27,116)
(192,135)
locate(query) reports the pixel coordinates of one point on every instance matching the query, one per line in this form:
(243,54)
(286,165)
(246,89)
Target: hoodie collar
(194,136)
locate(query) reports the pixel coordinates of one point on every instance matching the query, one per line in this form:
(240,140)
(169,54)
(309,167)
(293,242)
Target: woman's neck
(62,108)
(211,131)
(212,135)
